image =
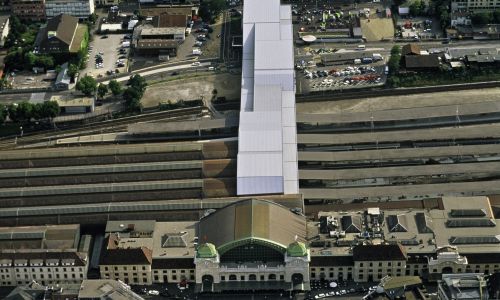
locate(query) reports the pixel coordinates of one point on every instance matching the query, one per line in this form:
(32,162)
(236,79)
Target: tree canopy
(115,87)
(102,90)
(87,85)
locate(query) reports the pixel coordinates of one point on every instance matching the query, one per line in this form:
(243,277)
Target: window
(389,264)
(282,277)
(232,277)
(380,264)
(313,275)
(223,278)
(360,265)
(105,268)
(272,276)
(156,278)
(242,277)
(174,271)
(252,277)
(134,268)
(174,277)
(262,278)
(144,268)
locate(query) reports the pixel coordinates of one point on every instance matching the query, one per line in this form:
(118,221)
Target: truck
(377,56)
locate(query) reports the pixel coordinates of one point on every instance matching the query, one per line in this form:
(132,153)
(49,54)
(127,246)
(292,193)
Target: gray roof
(64,26)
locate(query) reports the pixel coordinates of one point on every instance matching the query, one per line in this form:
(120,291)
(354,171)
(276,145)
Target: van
(361,47)
(211,68)
(357,61)
(386,70)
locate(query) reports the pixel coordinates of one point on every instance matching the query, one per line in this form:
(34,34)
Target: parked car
(153,293)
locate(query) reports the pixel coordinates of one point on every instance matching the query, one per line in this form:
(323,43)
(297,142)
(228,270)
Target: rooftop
(106,289)
(162,31)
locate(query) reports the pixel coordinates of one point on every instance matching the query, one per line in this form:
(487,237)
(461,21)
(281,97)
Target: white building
(267,143)
(79,9)
(4,28)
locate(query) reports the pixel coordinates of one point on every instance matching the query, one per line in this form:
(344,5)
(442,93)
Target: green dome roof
(206,250)
(296,249)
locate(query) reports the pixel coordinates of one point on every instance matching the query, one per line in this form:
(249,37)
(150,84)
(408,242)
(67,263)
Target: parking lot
(312,78)
(108,48)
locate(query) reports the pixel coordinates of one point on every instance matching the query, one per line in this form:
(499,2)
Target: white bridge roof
(267,143)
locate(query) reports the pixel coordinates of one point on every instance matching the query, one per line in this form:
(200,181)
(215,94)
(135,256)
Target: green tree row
(133,94)
(26,111)
(487,17)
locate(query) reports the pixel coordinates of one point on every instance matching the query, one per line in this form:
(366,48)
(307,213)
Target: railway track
(109,126)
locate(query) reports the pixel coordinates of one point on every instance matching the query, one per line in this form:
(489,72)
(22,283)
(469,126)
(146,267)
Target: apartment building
(146,252)
(78,9)
(46,254)
(474,5)
(368,245)
(33,10)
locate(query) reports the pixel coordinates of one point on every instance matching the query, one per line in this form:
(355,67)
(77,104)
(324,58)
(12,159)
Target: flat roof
(402,171)
(476,131)
(72,102)
(402,114)
(453,188)
(163,30)
(174,240)
(400,153)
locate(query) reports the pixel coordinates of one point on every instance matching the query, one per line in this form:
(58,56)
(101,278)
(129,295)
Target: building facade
(46,254)
(474,5)
(261,248)
(33,10)
(78,9)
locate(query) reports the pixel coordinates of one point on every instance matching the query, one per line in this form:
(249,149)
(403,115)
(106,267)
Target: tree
(102,90)
(20,112)
(87,85)
(72,70)
(50,109)
(3,113)
(496,16)
(210,10)
(394,60)
(138,82)
(482,18)
(45,61)
(115,87)
(132,98)
(37,111)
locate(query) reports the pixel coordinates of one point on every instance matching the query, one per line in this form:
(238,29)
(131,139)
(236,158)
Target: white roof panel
(267,98)
(271,55)
(260,164)
(288,99)
(291,187)
(261,11)
(289,135)
(288,116)
(260,120)
(285,12)
(267,31)
(259,140)
(290,170)
(259,185)
(289,152)
(286,32)
(285,78)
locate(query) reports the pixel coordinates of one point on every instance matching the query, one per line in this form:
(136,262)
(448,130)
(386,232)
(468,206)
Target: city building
(36,291)
(474,6)
(145,252)
(46,254)
(368,245)
(74,105)
(107,2)
(4,28)
(180,10)
(92,289)
(61,34)
(33,10)
(76,8)
(252,245)
(162,41)
(267,137)
(469,286)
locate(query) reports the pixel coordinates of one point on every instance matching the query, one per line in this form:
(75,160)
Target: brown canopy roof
(421,61)
(412,49)
(379,252)
(252,219)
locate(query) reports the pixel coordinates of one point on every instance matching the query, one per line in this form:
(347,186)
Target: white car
(196,64)
(153,292)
